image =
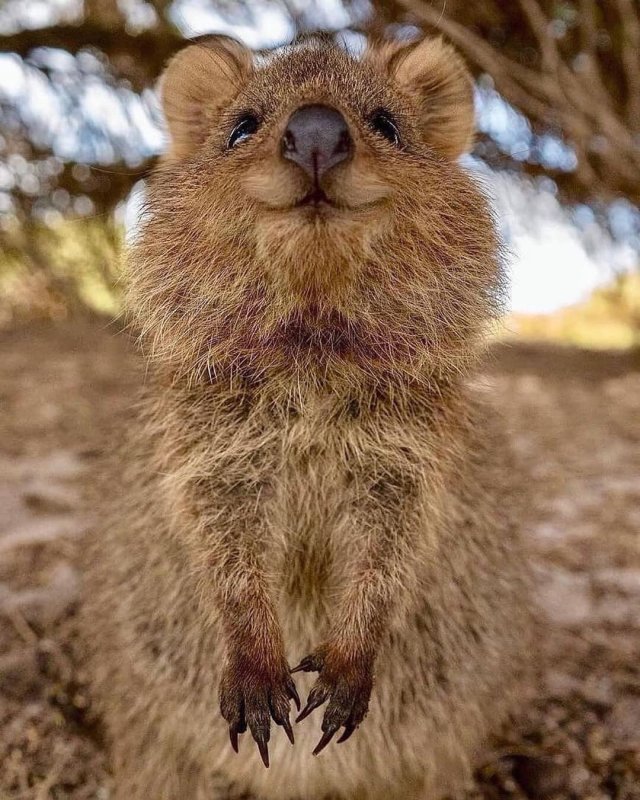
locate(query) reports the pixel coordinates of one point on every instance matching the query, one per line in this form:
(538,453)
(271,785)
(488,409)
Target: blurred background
(558,152)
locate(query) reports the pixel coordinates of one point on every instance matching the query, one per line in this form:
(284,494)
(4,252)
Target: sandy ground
(575,419)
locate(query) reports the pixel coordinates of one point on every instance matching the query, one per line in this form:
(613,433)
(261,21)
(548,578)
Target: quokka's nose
(317,138)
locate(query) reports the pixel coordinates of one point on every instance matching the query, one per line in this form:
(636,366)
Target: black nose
(317,138)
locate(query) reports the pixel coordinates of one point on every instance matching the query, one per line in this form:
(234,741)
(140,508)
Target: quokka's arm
(378,583)
(215,495)
(256,683)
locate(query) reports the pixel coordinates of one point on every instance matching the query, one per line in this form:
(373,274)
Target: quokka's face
(317,153)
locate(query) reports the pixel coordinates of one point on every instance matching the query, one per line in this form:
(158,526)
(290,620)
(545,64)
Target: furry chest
(308,516)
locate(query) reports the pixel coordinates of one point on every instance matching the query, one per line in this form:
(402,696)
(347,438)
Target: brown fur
(311,475)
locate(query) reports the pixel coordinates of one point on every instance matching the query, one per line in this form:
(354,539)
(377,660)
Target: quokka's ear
(433,73)
(197,84)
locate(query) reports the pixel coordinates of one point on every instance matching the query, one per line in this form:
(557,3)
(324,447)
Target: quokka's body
(311,475)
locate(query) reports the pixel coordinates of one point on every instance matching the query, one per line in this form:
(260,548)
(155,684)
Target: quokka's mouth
(316,197)
(317,203)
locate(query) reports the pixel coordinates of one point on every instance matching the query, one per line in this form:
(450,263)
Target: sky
(554,261)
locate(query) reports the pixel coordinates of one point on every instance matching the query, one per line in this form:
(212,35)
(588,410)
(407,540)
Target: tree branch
(630,32)
(608,158)
(137,57)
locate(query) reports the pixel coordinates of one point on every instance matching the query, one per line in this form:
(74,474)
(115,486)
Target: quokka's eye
(383,123)
(245,127)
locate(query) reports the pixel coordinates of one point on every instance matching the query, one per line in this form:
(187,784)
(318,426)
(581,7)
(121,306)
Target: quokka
(312,481)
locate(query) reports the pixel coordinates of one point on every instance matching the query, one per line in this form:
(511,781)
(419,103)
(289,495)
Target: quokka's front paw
(251,693)
(346,681)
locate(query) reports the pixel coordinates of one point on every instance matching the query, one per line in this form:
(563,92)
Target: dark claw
(237,726)
(303,666)
(287,729)
(348,730)
(316,698)
(306,711)
(234,729)
(280,713)
(293,694)
(327,736)
(308,664)
(263,747)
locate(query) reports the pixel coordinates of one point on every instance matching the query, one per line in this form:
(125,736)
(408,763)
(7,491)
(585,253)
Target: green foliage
(52,271)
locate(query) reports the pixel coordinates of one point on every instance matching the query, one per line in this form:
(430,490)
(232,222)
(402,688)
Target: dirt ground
(575,419)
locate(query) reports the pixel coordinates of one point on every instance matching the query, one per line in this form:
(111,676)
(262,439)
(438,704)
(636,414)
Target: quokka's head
(310,208)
